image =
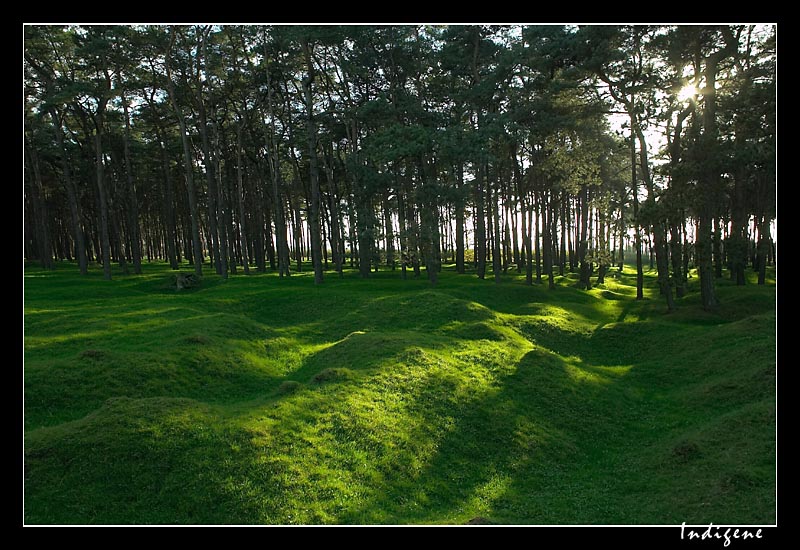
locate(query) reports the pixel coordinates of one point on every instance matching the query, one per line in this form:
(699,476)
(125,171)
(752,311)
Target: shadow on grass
(516,440)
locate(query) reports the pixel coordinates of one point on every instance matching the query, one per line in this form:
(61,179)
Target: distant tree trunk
(547,245)
(525,226)
(401,215)
(637,237)
(571,210)
(240,194)
(133,212)
(39,207)
(709,180)
(717,248)
(705,268)
(494,204)
(72,198)
(223,209)
(621,264)
(480,229)
(602,244)
(737,241)
(677,257)
(387,229)
(459,207)
(105,243)
(313,222)
(515,248)
(429,223)
(763,249)
(169,209)
(197,251)
(562,263)
(583,243)
(537,209)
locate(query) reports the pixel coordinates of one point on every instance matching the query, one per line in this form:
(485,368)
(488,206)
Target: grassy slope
(260,400)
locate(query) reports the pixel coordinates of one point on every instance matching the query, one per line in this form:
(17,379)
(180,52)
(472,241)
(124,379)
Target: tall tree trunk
(277,180)
(459,207)
(525,225)
(583,242)
(401,215)
(429,224)
(717,248)
(676,255)
(562,263)
(313,222)
(621,264)
(659,238)
(387,225)
(240,193)
(197,251)
(763,248)
(39,207)
(101,192)
(72,197)
(709,180)
(494,205)
(169,209)
(637,236)
(480,229)
(133,202)
(534,218)
(547,237)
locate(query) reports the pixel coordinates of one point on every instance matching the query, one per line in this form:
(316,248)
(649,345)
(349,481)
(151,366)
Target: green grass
(383,401)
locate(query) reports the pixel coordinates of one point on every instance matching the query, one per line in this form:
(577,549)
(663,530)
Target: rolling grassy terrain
(383,401)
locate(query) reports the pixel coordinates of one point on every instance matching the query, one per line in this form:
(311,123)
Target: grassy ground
(260,400)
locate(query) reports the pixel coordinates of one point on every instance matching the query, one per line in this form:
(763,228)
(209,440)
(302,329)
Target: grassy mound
(261,400)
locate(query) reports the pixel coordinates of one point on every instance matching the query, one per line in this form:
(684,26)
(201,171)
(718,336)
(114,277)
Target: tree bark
(460,221)
(480,229)
(240,193)
(72,197)
(133,212)
(313,222)
(197,251)
(105,243)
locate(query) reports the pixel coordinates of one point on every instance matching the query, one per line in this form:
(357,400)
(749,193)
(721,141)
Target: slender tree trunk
(583,243)
(621,264)
(564,217)
(401,215)
(494,205)
(133,212)
(659,241)
(717,240)
(72,198)
(313,222)
(387,225)
(480,228)
(547,238)
(169,209)
(524,221)
(763,249)
(197,251)
(708,186)
(240,193)
(105,243)
(460,221)
(40,211)
(537,210)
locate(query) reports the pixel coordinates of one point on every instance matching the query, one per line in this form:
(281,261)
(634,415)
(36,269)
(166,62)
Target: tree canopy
(536,148)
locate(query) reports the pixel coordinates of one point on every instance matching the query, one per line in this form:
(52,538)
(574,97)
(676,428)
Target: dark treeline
(233,148)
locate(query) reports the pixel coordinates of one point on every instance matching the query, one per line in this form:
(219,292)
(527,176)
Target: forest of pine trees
(540,149)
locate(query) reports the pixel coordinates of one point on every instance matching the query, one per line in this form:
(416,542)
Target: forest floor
(258,400)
